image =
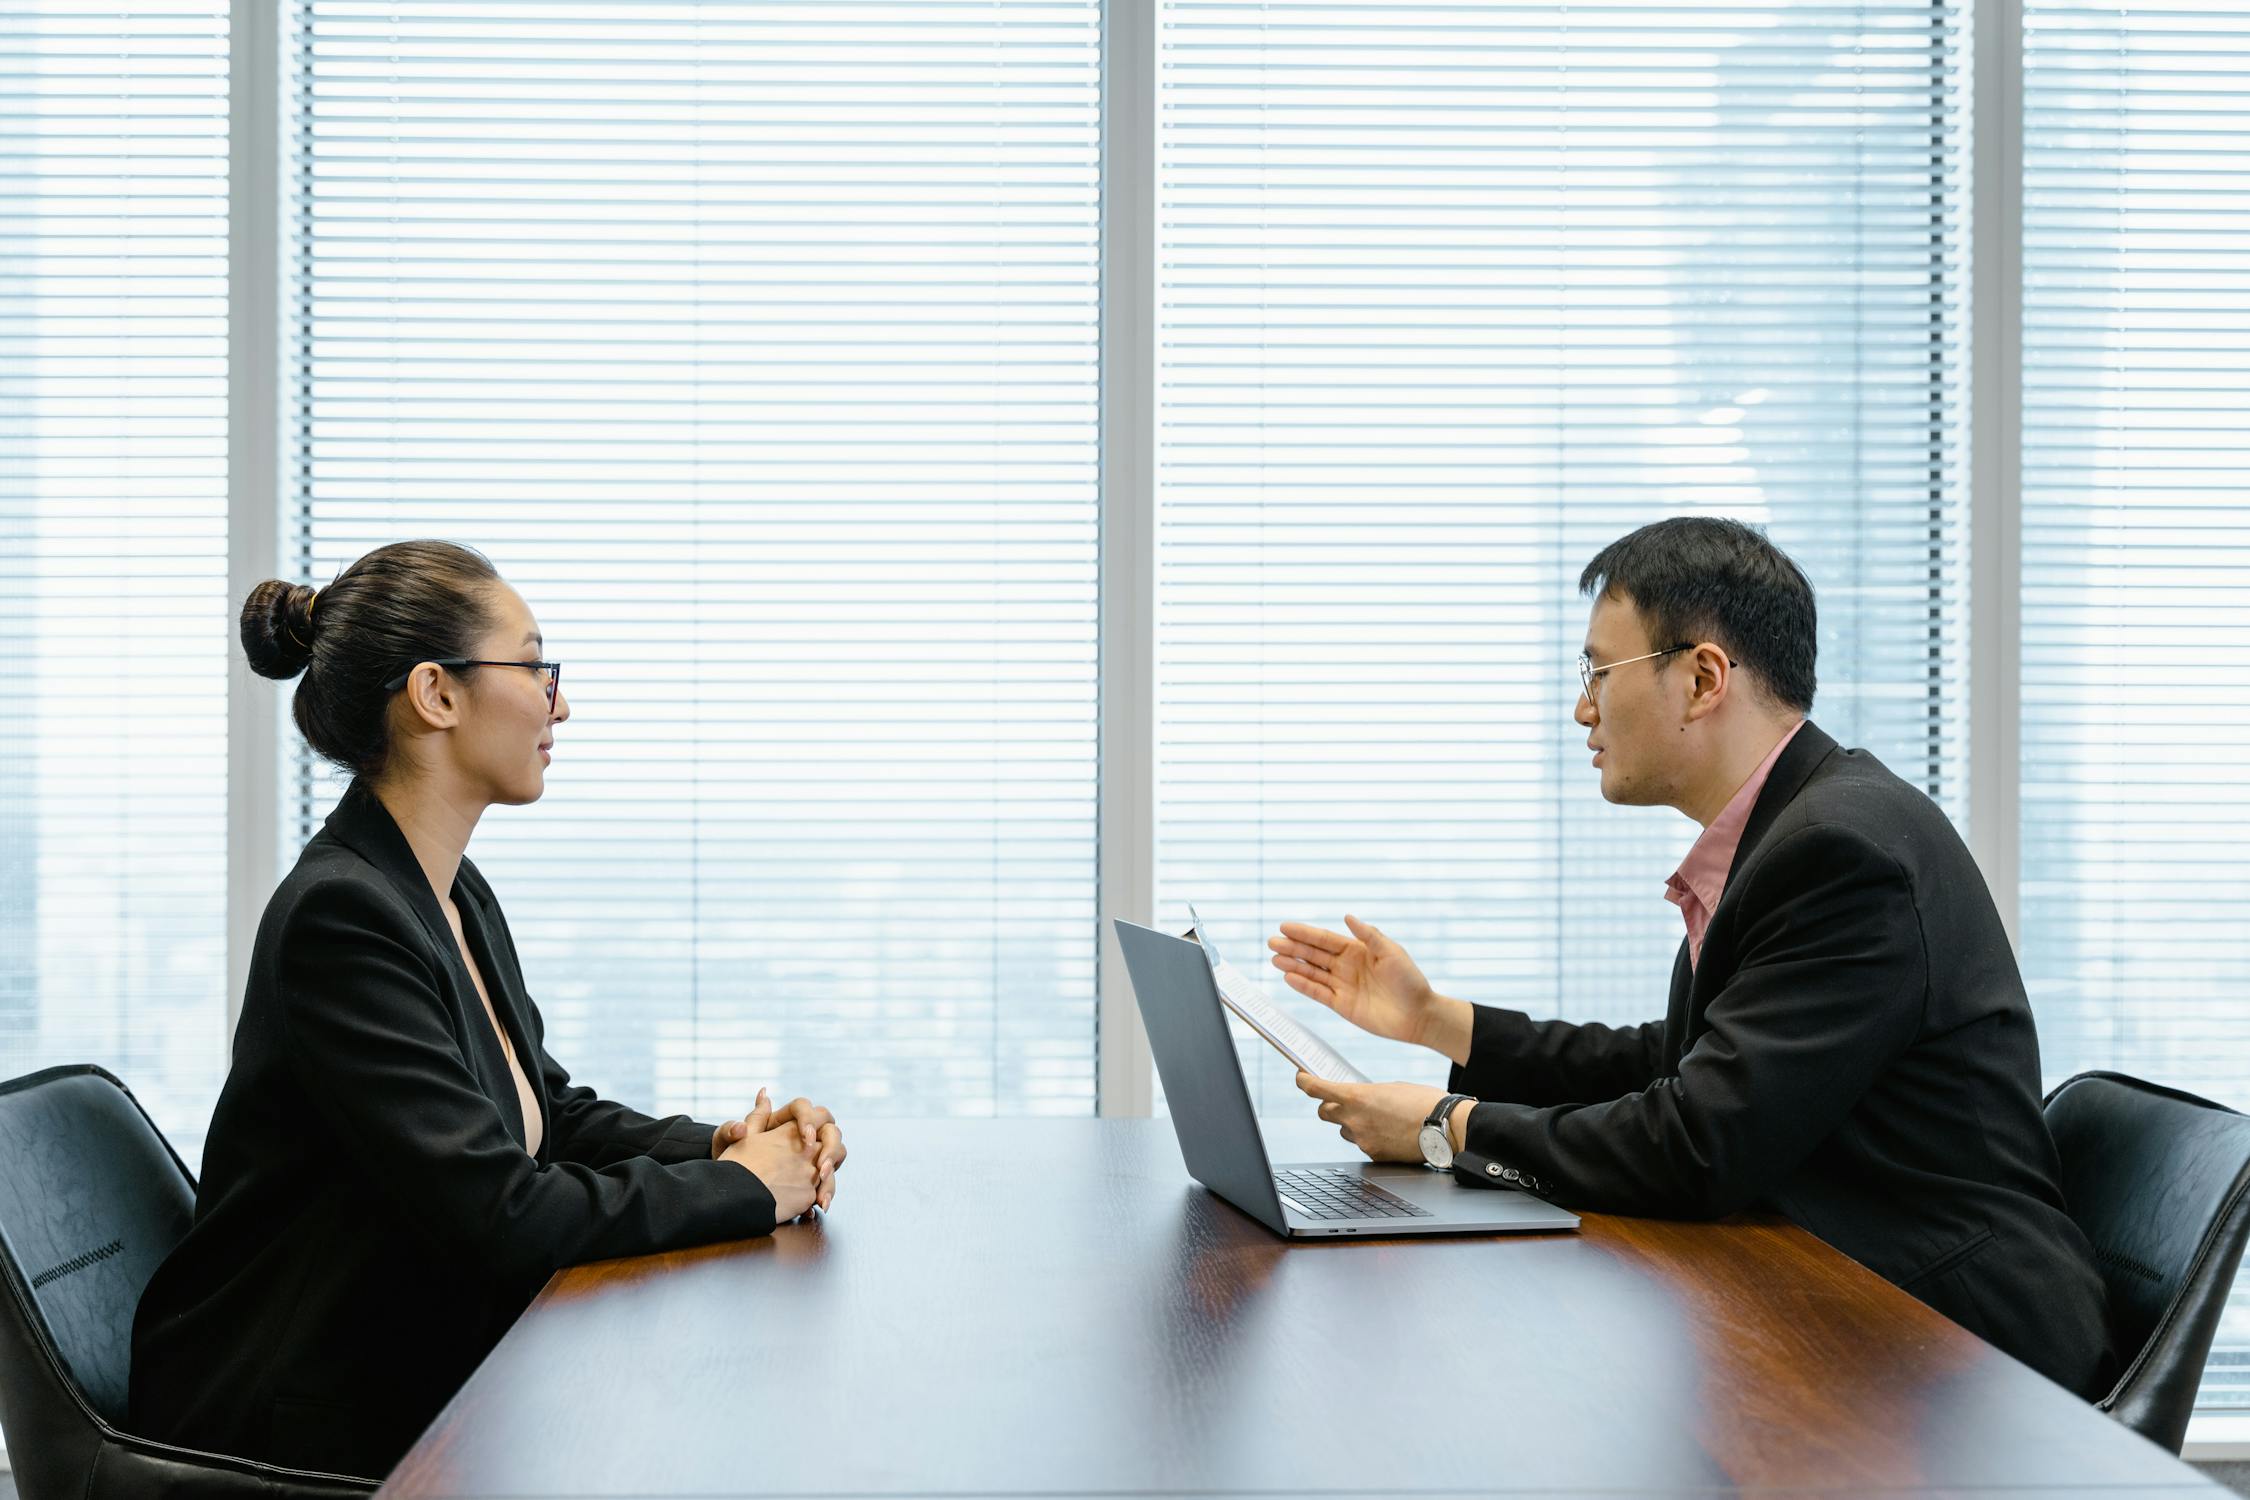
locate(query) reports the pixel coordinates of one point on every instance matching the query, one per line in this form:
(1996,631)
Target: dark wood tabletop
(1031,1307)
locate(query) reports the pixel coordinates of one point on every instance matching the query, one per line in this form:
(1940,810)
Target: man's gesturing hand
(1382,1119)
(1369,981)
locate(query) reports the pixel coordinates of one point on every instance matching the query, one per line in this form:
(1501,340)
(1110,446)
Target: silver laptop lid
(1203,1085)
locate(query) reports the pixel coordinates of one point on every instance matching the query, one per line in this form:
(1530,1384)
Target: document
(1248,1000)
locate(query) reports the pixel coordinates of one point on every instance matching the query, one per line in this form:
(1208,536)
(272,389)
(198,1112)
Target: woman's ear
(433,697)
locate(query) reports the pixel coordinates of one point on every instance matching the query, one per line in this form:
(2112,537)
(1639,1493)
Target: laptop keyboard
(1330,1193)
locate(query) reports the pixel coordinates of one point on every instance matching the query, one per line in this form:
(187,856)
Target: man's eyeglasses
(550,673)
(1589,674)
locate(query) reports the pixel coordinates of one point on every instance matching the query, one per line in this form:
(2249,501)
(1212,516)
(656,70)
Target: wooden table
(1051,1307)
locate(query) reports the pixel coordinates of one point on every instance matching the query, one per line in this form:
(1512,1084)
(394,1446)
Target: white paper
(1248,1000)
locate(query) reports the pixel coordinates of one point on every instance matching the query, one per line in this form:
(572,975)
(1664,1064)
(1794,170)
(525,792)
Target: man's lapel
(1676,1013)
(1798,761)
(1788,777)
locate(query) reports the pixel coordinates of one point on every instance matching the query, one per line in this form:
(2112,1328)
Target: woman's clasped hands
(794,1150)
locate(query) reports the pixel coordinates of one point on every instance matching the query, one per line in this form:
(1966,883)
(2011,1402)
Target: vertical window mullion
(257,253)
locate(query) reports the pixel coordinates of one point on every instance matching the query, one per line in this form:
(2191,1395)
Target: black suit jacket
(369,1223)
(1854,1049)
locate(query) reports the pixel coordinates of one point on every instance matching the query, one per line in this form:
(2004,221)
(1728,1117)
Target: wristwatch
(1437,1143)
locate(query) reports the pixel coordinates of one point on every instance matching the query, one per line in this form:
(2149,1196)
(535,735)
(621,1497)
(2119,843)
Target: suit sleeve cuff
(683,1140)
(1488,1160)
(751,1211)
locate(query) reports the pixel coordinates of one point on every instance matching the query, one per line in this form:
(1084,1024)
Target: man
(1848,1040)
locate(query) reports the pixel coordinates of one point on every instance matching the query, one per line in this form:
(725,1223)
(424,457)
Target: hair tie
(292,629)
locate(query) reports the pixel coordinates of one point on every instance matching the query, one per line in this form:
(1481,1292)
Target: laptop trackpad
(1421,1186)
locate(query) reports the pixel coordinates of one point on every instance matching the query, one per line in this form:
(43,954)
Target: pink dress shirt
(1695,887)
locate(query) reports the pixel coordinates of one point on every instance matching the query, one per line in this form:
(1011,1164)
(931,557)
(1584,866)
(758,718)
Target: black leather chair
(2160,1182)
(92,1199)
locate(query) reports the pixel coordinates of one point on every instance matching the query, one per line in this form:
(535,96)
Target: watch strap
(1439,1118)
(1444,1110)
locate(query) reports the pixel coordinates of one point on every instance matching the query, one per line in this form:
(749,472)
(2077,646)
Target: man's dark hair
(1698,578)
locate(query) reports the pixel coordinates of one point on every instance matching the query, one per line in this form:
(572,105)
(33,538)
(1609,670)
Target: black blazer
(1854,1050)
(369,1223)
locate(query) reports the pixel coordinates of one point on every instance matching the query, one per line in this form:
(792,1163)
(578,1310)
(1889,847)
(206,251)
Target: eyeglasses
(1589,674)
(550,673)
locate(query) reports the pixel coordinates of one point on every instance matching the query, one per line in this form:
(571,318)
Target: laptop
(1219,1137)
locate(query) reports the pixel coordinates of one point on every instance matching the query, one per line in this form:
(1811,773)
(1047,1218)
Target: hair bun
(277,626)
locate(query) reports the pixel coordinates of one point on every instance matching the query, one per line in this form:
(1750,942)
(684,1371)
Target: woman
(396,1164)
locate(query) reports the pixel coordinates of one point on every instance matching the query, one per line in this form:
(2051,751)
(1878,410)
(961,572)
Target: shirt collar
(1703,873)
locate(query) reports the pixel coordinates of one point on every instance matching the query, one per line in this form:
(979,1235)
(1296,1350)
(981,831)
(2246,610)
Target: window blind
(2136,554)
(757,345)
(113,549)
(1451,296)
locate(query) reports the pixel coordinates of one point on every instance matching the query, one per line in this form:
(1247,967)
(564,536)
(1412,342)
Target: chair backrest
(91,1201)
(2160,1183)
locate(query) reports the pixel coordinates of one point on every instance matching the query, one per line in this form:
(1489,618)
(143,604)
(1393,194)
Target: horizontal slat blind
(2136,553)
(756,343)
(1449,297)
(113,549)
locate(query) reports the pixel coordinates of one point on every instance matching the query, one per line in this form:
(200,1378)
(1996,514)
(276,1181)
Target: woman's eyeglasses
(550,673)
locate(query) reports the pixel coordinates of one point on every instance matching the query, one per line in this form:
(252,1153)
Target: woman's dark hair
(408,602)
(1697,578)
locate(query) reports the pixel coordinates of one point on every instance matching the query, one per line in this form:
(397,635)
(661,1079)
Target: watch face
(1436,1149)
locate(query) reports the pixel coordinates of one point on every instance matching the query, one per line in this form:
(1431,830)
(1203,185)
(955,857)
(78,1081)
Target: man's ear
(1713,680)
(433,696)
